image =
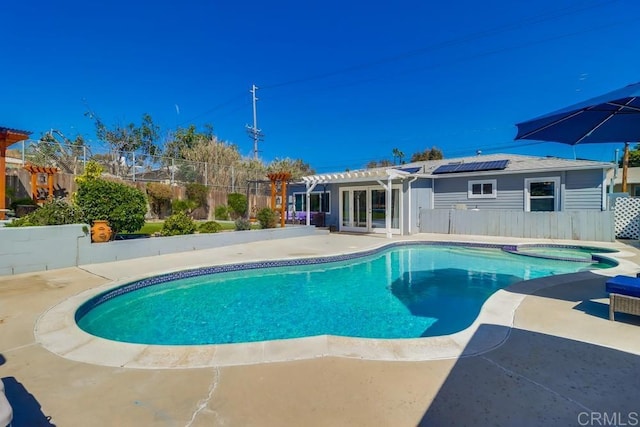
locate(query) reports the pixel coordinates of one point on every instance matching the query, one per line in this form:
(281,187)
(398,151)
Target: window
(317,200)
(541,194)
(486,189)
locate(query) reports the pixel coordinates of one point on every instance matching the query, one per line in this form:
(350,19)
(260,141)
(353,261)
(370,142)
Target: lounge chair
(6,412)
(624,295)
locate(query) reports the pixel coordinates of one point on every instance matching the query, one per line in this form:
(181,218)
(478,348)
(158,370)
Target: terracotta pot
(100,232)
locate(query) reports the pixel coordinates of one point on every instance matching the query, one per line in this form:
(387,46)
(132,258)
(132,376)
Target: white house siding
(583,190)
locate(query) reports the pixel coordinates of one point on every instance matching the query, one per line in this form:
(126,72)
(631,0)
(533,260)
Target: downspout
(604,190)
(433,192)
(563,180)
(410,206)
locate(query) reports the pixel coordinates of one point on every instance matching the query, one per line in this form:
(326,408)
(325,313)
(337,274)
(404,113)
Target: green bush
(197,193)
(52,212)
(221,212)
(184,206)
(243,224)
(92,170)
(178,224)
(209,227)
(267,218)
(237,204)
(160,196)
(123,206)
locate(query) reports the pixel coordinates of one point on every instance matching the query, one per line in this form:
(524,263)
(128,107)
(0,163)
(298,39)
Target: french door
(364,209)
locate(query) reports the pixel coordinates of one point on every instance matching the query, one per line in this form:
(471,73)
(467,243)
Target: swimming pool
(399,291)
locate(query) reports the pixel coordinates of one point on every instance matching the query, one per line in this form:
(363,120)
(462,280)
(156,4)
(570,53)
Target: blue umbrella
(612,117)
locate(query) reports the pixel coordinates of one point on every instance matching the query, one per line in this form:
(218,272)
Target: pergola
(282,178)
(37,185)
(383,177)
(8,136)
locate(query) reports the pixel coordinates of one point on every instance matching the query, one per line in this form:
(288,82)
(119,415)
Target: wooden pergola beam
(283,177)
(8,137)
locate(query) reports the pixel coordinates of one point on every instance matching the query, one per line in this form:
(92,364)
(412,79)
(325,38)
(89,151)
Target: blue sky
(340,83)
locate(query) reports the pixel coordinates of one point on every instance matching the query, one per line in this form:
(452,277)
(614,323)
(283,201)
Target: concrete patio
(562,363)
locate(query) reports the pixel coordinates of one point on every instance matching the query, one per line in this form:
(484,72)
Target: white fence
(627,218)
(570,225)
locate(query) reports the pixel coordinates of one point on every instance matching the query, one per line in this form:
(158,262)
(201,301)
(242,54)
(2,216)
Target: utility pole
(254,133)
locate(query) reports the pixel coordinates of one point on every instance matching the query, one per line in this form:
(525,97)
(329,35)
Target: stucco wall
(30,249)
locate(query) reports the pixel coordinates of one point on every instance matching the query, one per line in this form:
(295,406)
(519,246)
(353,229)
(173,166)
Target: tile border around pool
(57,331)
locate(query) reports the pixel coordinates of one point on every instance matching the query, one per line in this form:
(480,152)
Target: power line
(536,19)
(545,16)
(483,54)
(217,107)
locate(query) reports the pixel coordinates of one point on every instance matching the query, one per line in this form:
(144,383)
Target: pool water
(398,292)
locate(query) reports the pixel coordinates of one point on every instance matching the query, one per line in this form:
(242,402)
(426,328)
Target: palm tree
(397,154)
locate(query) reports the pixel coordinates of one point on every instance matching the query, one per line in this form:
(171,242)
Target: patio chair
(6,412)
(624,295)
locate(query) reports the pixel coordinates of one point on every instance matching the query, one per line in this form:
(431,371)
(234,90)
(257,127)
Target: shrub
(92,170)
(52,212)
(25,201)
(123,206)
(184,206)
(243,224)
(221,212)
(160,195)
(209,227)
(267,218)
(178,224)
(237,204)
(197,193)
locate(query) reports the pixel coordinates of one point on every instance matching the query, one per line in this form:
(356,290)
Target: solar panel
(471,167)
(446,168)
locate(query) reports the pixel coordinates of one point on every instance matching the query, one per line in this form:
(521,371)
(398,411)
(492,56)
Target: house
(400,199)
(633,181)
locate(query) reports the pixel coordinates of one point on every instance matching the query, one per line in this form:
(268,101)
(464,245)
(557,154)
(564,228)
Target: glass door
(360,209)
(378,208)
(364,209)
(346,209)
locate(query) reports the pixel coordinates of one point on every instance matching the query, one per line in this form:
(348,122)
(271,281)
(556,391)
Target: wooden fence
(19,183)
(572,225)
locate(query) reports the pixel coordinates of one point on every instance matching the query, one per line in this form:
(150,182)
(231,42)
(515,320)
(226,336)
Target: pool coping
(57,331)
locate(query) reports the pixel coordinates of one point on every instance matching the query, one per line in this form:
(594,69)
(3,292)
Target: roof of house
(516,164)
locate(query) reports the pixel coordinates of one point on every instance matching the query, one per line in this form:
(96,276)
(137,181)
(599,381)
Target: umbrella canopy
(612,117)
